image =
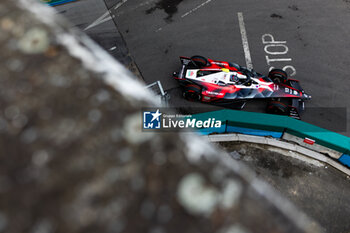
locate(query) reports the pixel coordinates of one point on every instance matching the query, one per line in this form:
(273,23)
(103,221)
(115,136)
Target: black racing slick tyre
(278,76)
(277,107)
(199,61)
(192,92)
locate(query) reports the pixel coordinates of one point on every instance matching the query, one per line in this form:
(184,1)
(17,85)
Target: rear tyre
(277,107)
(278,76)
(192,92)
(199,61)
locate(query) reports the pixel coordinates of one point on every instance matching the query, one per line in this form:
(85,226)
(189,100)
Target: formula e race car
(231,85)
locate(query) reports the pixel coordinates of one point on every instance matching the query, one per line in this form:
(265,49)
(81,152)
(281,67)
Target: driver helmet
(234,78)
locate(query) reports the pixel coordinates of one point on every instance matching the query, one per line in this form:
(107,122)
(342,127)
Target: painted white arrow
(105,17)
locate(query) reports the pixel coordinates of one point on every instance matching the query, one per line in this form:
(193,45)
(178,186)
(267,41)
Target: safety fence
(334,145)
(158,90)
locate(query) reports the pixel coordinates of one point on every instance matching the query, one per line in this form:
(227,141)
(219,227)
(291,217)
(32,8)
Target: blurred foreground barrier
(334,145)
(73,157)
(57,2)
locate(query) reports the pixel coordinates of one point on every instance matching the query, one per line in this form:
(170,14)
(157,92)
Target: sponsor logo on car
(214,93)
(190,73)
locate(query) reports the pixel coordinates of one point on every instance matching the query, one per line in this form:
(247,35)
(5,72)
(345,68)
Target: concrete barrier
(331,144)
(285,145)
(310,144)
(345,159)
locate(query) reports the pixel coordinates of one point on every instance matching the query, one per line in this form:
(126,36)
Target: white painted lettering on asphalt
(275,48)
(293,70)
(269,60)
(272,40)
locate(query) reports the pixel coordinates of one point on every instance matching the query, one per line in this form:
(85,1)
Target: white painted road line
(245,44)
(186,14)
(120,4)
(105,17)
(130,9)
(196,8)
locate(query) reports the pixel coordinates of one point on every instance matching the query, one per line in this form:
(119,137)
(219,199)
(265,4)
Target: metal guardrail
(157,88)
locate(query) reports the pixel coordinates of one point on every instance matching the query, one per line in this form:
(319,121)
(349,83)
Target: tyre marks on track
(187,13)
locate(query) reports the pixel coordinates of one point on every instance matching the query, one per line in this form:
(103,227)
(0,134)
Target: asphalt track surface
(87,16)
(315,32)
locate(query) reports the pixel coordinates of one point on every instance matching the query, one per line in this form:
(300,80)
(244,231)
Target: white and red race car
(229,84)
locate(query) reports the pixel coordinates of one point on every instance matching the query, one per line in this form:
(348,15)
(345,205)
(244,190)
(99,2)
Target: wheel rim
(276,110)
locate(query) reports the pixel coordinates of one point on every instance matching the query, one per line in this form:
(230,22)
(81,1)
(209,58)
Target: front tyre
(192,92)
(199,61)
(277,107)
(278,76)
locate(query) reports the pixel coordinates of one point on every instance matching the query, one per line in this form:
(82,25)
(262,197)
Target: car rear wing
(185,60)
